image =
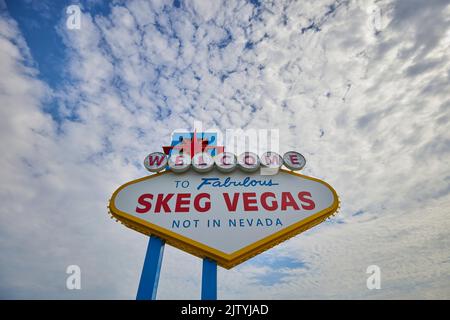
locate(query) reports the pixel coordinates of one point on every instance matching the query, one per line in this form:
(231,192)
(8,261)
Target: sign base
(209,280)
(148,284)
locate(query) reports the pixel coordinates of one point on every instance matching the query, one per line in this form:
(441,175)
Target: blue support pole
(148,284)
(209,280)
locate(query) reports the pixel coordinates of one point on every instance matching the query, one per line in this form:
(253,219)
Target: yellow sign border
(202,251)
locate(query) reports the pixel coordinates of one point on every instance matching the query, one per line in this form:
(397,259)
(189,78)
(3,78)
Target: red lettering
(143,202)
(161,201)
(287,200)
(294,159)
(183,199)
(273,206)
(302,196)
(231,205)
(207,204)
(249,199)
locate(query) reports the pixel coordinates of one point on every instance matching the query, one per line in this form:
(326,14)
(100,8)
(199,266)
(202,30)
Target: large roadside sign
(228,217)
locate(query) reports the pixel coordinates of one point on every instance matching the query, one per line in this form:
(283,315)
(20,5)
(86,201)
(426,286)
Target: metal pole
(209,280)
(148,284)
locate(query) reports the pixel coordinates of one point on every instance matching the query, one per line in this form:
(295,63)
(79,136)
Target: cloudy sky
(361,88)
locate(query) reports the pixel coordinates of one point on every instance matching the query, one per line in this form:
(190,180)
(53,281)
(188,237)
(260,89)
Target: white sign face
(228,217)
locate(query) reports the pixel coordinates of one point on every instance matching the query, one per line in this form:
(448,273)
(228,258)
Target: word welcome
(225,162)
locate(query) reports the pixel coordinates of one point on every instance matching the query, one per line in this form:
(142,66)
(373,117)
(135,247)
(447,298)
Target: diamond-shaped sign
(227,217)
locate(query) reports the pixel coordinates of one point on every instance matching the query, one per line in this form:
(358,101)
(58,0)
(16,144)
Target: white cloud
(411,249)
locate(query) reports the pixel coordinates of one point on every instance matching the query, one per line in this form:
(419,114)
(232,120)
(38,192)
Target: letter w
(153,159)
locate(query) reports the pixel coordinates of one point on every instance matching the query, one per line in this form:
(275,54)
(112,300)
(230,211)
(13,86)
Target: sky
(360,88)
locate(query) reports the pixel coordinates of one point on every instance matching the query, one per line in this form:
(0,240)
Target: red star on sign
(193,146)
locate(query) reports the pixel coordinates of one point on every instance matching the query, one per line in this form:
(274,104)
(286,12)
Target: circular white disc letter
(225,162)
(179,162)
(155,161)
(294,160)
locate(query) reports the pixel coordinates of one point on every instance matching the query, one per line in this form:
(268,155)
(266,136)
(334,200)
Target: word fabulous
(224,162)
